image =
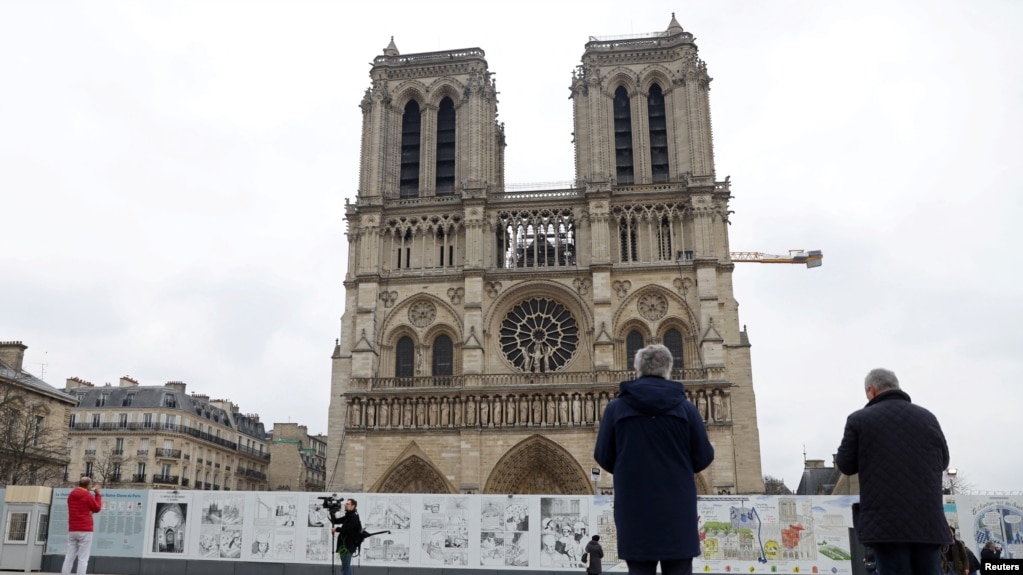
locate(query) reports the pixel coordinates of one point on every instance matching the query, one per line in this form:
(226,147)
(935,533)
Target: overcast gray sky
(173,178)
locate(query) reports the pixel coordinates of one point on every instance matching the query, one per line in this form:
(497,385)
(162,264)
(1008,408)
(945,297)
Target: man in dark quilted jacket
(900,454)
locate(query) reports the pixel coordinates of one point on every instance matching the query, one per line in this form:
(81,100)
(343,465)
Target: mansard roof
(33,383)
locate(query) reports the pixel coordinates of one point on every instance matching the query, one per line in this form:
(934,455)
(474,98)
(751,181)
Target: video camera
(333,504)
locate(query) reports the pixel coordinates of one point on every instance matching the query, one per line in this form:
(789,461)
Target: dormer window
(169,400)
(128,399)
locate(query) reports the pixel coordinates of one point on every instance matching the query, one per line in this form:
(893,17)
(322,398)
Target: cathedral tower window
(443,359)
(633,343)
(536,238)
(627,239)
(405,360)
(411,122)
(623,137)
(445,179)
(658,135)
(664,240)
(673,341)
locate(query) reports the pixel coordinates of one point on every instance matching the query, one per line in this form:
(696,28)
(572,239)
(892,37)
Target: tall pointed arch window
(405,361)
(664,240)
(411,122)
(443,360)
(658,134)
(445,178)
(627,248)
(623,138)
(673,341)
(633,343)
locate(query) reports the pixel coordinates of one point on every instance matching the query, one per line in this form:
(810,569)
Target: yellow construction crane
(812,258)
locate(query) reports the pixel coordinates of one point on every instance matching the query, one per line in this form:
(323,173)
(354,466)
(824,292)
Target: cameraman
(348,534)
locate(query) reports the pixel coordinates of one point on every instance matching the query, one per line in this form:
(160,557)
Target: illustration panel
(119,528)
(992,518)
(564,531)
(381,514)
(170,527)
(444,531)
(504,531)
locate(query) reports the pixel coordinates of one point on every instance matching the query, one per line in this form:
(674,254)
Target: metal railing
(165,479)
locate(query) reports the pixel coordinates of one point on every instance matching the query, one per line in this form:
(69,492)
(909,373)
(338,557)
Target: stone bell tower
(485,328)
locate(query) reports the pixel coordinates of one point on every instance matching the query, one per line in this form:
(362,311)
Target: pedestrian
(349,535)
(900,454)
(82,502)
(957,556)
(990,552)
(654,442)
(594,553)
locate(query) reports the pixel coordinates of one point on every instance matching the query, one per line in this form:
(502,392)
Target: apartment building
(298,461)
(153,437)
(33,420)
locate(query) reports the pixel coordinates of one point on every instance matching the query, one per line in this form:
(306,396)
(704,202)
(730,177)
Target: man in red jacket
(82,502)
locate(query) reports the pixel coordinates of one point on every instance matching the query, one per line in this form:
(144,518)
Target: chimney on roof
(74,383)
(815,464)
(127,381)
(176,385)
(13,354)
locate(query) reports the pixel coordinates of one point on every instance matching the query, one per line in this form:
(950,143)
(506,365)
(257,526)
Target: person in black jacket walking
(654,442)
(594,553)
(900,454)
(349,535)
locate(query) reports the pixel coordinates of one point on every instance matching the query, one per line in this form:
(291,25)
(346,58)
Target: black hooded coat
(654,442)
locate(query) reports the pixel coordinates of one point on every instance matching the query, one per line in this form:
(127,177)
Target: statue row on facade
(513,410)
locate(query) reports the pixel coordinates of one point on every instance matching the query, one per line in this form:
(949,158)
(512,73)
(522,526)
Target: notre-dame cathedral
(485,327)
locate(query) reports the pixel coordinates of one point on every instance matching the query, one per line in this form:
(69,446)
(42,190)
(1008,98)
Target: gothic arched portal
(413,475)
(538,466)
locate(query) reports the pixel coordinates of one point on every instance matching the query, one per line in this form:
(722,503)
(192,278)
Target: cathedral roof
(674,27)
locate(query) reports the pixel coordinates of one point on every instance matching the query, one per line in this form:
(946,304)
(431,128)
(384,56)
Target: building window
(140,472)
(628,250)
(443,359)
(536,238)
(128,399)
(169,400)
(658,135)
(73,421)
(147,420)
(44,526)
(96,419)
(17,528)
(673,341)
(410,126)
(102,399)
(118,446)
(664,251)
(633,343)
(445,178)
(122,420)
(37,432)
(405,358)
(88,469)
(623,138)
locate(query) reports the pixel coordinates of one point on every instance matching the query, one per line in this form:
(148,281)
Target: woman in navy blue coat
(654,442)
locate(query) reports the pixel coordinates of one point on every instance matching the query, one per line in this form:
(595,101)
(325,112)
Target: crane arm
(812,258)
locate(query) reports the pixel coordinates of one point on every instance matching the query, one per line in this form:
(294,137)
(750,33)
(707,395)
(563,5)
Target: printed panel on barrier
(220,529)
(171,528)
(564,531)
(386,513)
(444,535)
(119,527)
(504,531)
(990,518)
(272,531)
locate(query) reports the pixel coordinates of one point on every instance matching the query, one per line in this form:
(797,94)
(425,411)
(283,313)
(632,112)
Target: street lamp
(952,471)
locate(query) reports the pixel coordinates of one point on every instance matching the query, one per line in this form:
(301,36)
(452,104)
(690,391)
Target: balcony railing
(116,452)
(138,478)
(256,474)
(216,466)
(187,456)
(166,479)
(114,478)
(168,453)
(254,452)
(184,482)
(142,453)
(686,375)
(90,452)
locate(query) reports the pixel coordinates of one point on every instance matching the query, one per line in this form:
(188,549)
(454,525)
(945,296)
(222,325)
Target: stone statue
(457,404)
(577,409)
(537,410)
(356,414)
(395,412)
(371,413)
(445,419)
(510,411)
(406,413)
(523,410)
(432,412)
(498,410)
(701,404)
(420,413)
(719,405)
(484,411)
(384,413)
(588,408)
(602,404)
(470,411)
(563,409)
(552,410)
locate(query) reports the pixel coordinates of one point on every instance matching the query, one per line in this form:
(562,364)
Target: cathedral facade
(486,328)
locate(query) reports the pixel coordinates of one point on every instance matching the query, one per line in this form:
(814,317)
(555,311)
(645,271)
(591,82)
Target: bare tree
(775,486)
(33,451)
(107,465)
(953,482)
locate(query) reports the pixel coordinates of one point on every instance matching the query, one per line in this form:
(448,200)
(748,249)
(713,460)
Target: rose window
(539,335)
